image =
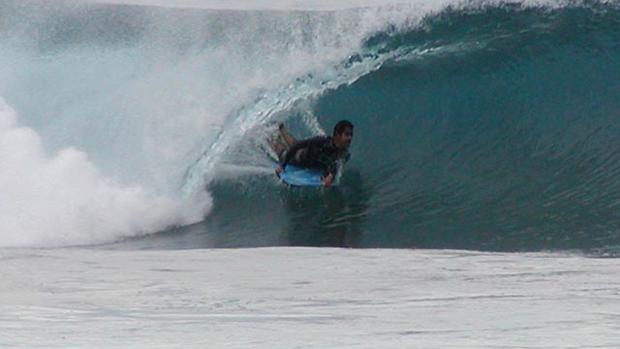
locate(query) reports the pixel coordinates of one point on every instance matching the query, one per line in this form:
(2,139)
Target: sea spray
(62,199)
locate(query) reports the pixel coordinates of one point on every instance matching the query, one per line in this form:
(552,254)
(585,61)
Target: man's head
(343,134)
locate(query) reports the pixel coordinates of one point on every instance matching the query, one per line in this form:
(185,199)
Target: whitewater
(306,298)
(138,208)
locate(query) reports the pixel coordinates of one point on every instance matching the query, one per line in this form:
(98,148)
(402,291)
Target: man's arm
(332,169)
(301,145)
(346,157)
(290,153)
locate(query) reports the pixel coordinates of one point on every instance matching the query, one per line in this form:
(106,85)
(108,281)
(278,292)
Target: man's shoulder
(320,139)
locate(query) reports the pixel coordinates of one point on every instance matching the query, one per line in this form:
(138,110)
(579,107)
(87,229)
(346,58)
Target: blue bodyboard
(301,177)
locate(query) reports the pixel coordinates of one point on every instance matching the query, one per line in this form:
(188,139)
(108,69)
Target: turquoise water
(509,142)
(483,127)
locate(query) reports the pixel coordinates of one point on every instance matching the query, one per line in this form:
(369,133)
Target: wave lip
(249,5)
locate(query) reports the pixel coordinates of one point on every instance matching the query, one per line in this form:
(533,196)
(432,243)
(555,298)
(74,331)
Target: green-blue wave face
(492,130)
(485,127)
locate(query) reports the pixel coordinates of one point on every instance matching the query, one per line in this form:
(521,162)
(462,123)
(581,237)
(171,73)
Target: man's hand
(327,181)
(279,170)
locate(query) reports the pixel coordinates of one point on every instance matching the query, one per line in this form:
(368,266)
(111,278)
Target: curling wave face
(483,129)
(479,126)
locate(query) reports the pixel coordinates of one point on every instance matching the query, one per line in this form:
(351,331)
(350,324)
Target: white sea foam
(62,199)
(306,298)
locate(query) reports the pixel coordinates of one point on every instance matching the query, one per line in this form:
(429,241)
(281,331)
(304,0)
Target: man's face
(343,140)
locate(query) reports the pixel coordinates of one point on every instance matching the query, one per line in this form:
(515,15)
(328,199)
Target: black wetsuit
(318,153)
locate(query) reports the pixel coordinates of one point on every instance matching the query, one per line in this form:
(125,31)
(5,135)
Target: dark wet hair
(341,126)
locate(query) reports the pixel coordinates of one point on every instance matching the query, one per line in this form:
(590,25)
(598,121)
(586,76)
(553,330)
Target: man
(320,152)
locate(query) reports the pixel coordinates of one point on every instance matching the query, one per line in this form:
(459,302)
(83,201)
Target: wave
(141,92)
(482,129)
(478,125)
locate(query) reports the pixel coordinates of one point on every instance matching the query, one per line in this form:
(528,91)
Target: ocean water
(480,202)
(306,298)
